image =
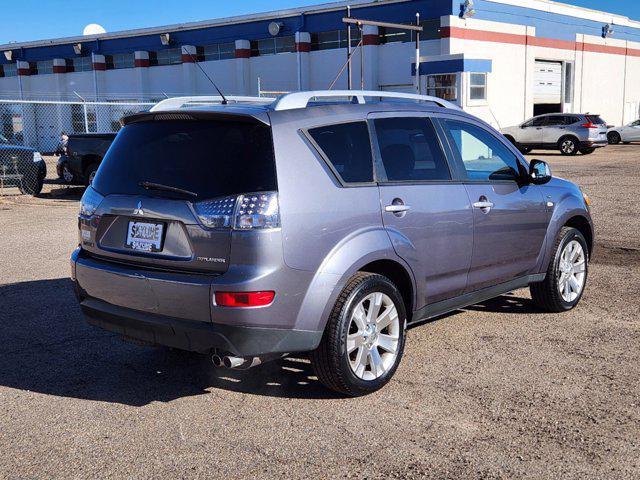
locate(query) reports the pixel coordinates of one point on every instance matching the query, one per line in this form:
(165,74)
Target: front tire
(525,150)
(613,138)
(568,146)
(363,341)
(566,276)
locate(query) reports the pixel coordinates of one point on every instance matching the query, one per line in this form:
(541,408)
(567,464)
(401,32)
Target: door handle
(397,208)
(483,204)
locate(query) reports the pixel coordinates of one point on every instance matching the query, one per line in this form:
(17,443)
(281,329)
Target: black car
(82,156)
(21,167)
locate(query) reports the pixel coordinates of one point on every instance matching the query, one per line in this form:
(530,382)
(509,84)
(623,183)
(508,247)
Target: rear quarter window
(347,148)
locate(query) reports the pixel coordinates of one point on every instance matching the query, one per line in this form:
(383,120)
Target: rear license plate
(144,236)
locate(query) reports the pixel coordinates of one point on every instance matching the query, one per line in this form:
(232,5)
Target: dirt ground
(499,390)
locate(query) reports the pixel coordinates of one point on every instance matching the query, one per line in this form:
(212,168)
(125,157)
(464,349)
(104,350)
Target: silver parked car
(627,134)
(256,228)
(567,132)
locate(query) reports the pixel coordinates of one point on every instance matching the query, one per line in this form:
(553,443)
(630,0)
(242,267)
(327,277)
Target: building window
(79,64)
(393,35)
(443,86)
(8,70)
(119,60)
(270,46)
(169,56)
(218,51)
(477,86)
(44,66)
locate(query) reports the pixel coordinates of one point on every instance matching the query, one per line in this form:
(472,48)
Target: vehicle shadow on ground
(61,192)
(508,303)
(46,347)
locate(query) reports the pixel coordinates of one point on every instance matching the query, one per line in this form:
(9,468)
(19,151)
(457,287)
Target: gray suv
(567,132)
(253,229)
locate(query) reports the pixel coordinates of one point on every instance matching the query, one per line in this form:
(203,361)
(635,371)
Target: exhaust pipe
(242,363)
(233,362)
(217,360)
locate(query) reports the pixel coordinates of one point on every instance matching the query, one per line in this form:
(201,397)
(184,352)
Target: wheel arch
(399,275)
(88,160)
(369,250)
(580,223)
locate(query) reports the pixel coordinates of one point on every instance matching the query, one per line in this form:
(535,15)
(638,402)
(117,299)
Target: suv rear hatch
(167,190)
(597,128)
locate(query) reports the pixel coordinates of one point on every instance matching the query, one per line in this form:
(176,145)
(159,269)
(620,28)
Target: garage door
(547,82)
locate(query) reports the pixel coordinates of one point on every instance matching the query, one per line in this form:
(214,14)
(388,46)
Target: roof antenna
(193,59)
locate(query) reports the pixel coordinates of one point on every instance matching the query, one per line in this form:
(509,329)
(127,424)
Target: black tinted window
(483,156)
(210,158)
(410,149)
(557,120)
(595,119)
(348,149)
(539,121)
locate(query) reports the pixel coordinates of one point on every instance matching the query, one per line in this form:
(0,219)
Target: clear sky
(24,20)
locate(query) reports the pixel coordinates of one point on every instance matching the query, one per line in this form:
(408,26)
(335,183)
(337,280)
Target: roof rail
(175,103)
(302,99)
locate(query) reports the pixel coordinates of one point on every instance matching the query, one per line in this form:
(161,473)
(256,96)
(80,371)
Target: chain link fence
(33,138)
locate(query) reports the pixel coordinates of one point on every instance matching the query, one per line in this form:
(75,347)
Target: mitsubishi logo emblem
(138,210)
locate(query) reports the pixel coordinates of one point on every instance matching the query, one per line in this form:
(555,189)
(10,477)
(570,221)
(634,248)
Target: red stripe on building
(24,71)
(482,35)
(141,62)
(515,39)
(99,66)
(186,58)
(371,39)
(59,69)
(243,53)
(303,47)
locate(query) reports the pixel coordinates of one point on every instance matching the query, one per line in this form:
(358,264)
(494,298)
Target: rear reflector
(244,299)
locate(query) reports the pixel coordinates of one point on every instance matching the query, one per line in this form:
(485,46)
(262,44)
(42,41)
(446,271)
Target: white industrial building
(503,60)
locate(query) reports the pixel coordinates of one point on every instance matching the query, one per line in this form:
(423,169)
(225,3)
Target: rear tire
(525,150)
(613,138)
(89,173)
(568,146)
(359,351)
(587,151)
(553,294)
(32,186)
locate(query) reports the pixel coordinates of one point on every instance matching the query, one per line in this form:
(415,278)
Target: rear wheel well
(399,276)
(89,160)
(582,225)
(572,137)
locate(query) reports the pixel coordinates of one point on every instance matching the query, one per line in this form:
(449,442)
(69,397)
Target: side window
(556,120)
(636,123)
(539,121)
(347,147)
(484,157)
(410,150)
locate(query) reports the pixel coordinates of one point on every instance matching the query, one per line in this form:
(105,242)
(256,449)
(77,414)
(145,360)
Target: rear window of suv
(210,158)
(595,119)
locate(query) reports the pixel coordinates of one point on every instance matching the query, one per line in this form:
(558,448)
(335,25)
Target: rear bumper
(196,336)
(175,309)
(593,143)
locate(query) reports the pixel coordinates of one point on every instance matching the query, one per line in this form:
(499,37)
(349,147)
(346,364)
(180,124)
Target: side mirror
(539,172)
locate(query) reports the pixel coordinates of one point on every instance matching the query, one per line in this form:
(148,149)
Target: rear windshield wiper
(166,188)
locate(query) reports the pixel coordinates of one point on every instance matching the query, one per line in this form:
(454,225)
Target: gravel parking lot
(499,390)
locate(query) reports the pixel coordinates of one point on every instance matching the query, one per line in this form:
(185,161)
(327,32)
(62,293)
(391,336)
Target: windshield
(209,158)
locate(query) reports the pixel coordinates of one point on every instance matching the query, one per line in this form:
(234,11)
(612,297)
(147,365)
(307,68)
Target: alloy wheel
(568,146)
(373,336)
(571,271)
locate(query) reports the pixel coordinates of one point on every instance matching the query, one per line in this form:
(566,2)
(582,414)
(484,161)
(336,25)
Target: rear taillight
(90,202)
(240,212)
(244,299)
(589,125)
